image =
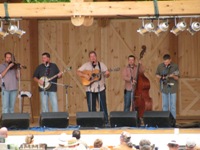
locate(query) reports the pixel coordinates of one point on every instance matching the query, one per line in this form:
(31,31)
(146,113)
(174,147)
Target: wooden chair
(27,94)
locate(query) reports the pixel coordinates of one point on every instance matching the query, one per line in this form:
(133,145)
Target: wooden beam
(34,61)
(126,8)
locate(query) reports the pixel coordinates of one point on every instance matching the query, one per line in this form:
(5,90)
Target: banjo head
(46,85)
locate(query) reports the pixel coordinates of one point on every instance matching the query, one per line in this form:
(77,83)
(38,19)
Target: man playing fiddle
(9,84)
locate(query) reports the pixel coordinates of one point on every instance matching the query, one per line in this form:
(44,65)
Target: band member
(129,74)
(9,84)
(95,90)
(47,89)
(168,74)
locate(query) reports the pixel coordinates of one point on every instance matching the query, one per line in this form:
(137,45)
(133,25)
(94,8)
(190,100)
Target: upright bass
(142,100)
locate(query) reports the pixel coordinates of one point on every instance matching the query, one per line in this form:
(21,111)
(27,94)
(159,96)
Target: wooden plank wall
(113,40)
(188,56)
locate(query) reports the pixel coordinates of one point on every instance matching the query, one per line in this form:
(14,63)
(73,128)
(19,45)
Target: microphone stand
(66,87)
(132,89)
(45,77)
(19,88)
(19,67)
(90,98)
(93,67)
(132,93)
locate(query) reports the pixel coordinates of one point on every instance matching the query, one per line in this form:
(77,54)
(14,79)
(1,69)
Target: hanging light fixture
(162,27)
(14,29)
(3,34)
(180,26)
(148,27)
(194,27)
(20,32)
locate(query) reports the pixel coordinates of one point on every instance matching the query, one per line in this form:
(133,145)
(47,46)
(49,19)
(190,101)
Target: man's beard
(9,62)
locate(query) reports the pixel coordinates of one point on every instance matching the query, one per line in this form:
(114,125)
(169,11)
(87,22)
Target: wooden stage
(109,131)
(186,126)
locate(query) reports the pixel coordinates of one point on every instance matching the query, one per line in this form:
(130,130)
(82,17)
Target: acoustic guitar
(47,84)
(94,75)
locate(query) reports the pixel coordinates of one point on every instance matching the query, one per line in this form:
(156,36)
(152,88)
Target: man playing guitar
(96,89)
(42,73)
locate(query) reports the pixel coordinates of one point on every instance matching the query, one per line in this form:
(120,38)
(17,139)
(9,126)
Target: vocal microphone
(131,66)
(46,64)
(69,68)
(93,64)
(168,66)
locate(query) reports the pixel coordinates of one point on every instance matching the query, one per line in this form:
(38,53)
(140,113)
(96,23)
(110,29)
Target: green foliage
(54,1)
(44,1)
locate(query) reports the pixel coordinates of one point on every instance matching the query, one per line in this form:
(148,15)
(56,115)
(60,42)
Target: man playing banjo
(45,74)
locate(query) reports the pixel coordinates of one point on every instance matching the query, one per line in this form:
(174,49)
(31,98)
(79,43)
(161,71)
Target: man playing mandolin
(168,74)
(93,74)
(42,74)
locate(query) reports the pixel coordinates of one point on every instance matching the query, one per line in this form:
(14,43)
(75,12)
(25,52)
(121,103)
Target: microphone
(93,64)
(168,66)
(69,68)
(130,66)
(46,64)
(44,84)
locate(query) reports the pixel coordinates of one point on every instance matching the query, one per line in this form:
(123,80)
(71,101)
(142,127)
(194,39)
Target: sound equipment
(90,119)
(158,119)
(123,119)
(54,119)
(15,120)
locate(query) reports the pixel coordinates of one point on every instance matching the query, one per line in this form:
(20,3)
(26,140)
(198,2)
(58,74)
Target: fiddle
(17,65)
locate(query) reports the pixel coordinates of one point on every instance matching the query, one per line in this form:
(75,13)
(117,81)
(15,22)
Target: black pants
(92,105)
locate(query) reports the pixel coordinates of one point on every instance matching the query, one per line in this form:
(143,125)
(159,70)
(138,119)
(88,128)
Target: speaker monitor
(54,119)
(15,120)
(121,119)
(158,119)
(90,119)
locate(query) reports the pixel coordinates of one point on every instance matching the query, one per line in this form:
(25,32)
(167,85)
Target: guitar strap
(166,71)
(99,69)
(47,71)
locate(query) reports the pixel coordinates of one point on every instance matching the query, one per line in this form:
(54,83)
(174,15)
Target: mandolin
(94,75)
(165,78)
(46,80)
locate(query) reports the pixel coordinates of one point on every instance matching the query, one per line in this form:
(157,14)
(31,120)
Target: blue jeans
(92,105)
(169,103)
(44,95)
(127,100)
(8,100)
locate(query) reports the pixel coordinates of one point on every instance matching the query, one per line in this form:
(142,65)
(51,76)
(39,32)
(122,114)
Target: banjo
(47,84)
